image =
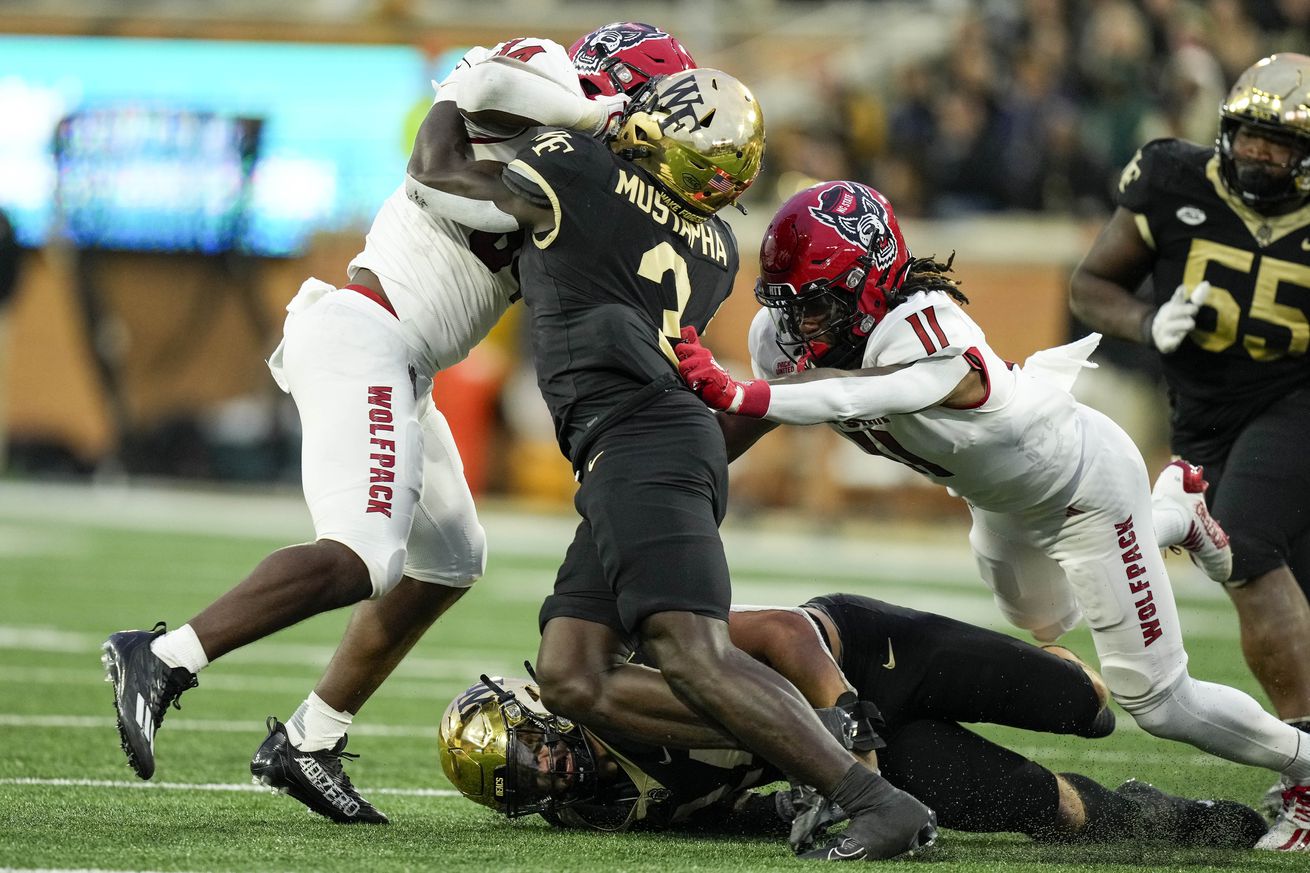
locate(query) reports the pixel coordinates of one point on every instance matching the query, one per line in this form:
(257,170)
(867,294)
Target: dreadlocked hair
(927,274)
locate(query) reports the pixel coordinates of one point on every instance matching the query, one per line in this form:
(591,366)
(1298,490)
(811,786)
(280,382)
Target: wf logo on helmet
(859,219)
(682,99)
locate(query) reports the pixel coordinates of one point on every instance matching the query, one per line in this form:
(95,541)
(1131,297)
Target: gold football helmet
(700,133)
(1273,98)
(501,748)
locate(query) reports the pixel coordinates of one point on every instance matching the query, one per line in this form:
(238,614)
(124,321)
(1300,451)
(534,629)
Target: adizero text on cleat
(317,779)
(144,688)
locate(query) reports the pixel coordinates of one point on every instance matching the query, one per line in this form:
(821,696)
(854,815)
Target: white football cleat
(1183,485)
(1291,830)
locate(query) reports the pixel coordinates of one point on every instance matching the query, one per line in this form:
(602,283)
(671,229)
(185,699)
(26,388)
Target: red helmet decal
(598,46)
(860,219)
(625,54)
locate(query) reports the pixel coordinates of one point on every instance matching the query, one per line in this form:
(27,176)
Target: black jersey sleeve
(552,160)
(1153,170)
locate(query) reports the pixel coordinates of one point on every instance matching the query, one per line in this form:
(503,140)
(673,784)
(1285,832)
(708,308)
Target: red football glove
(715,385)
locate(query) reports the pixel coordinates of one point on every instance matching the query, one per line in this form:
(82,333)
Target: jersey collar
(1264,229)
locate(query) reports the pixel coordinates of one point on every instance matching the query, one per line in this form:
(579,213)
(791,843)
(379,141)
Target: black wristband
(1145,330)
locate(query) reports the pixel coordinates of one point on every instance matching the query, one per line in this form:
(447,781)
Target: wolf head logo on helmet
(830,259)
(860,219)
(622,56)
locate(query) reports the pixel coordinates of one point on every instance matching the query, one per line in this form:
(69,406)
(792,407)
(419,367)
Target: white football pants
(380,470)
(1091,549)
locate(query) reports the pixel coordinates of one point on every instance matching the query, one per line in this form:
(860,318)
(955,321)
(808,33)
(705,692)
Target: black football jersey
(1249,346)
(611,285)
(661,787)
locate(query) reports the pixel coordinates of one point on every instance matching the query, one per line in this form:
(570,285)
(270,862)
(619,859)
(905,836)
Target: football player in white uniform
(395,526)
(873,341)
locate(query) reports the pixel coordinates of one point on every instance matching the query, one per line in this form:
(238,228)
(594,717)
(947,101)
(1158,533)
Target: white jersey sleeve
(927,325)
(925,380)
(530,77)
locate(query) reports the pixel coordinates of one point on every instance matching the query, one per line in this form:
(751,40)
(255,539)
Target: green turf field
(77,564)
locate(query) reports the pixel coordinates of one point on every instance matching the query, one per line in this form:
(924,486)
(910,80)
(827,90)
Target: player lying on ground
(867,338)
(913,675)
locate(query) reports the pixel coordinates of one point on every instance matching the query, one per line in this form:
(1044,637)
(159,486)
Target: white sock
(1171,523)
(315,725)
(181,648)
(1299,772)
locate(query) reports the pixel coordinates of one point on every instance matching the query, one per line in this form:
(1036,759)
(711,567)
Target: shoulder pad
(1162,164)
(543,56)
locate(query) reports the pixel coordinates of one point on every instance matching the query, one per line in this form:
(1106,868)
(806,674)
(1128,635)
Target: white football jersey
(1019,446)
(449,283)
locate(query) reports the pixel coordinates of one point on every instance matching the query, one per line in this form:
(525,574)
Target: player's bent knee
(1131,688)
(1166,712)
(385,564)
(450,551)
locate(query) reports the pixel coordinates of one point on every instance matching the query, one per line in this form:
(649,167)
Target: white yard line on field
(246,683)
(199,725)
(467,665)
(204,786)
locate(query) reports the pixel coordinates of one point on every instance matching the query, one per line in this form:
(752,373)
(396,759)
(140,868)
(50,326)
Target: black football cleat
(810,815)
(144,688)
(316,779)
(899,827)
(1216,824)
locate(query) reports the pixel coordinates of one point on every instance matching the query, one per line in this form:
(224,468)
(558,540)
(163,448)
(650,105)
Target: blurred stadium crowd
(1036,105)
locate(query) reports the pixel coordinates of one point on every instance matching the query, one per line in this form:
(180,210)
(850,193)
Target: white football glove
(1176,317)
(608,111)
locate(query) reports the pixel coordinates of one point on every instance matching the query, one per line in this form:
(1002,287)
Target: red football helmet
(620,57)
(830,257)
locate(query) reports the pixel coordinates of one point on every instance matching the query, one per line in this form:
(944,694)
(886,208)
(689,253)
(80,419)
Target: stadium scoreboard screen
(159,148)
(156,180)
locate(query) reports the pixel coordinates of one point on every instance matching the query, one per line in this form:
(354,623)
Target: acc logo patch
(1190,215)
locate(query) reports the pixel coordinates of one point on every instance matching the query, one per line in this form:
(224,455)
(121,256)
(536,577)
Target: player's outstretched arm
(1101,290)
(444,179)
(824,395)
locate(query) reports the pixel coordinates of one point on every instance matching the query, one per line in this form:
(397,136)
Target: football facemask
(1271,100)
(700,133)
(502,749)
(831,255)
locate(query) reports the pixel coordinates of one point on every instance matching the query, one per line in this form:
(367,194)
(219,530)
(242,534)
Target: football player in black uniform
(626,251)
(1224,234)
(917,675)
